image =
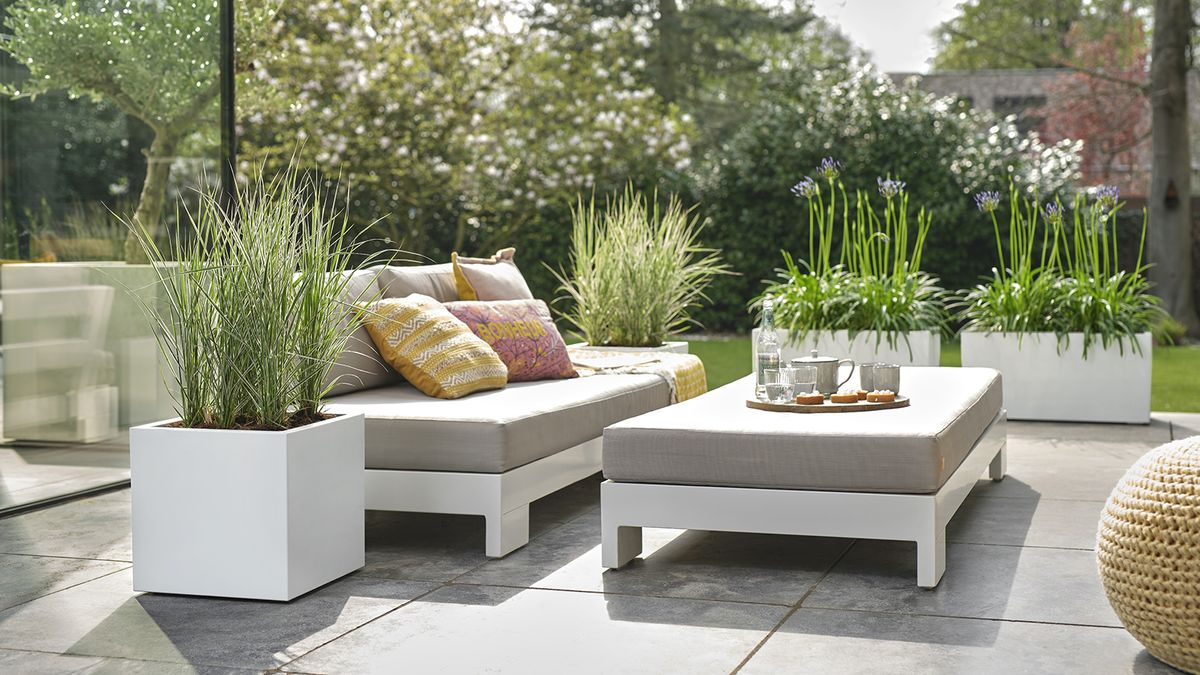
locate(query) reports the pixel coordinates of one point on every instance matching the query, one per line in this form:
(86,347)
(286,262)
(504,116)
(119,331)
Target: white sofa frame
(626,508)
(501,498)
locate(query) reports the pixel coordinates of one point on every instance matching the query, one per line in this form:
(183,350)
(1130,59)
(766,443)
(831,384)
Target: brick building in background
(1025,94)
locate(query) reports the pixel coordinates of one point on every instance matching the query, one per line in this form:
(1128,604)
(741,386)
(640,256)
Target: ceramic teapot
(827,371)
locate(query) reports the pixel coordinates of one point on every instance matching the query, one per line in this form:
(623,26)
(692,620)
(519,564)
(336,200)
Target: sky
(897,33)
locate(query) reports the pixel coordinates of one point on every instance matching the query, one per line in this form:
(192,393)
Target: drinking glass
(866,376)
(778,392)
(886,377)
(802,378)
(769,377)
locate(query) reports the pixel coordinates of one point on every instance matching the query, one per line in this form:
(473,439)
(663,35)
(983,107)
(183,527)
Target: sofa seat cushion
(716,440)
(495,431)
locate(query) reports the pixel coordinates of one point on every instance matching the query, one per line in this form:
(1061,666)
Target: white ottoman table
(711,463)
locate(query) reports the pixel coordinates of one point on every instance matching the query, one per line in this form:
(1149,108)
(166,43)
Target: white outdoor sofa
(489,453)
(711,463)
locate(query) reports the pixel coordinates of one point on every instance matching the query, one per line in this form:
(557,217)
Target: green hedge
(875,129)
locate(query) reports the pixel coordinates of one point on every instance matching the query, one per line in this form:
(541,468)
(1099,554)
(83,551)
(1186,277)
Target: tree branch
(1051,63)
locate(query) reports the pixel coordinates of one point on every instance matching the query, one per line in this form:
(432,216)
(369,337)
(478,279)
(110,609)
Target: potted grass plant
(635,270)
(870,303)
(1067,327)
(253,491)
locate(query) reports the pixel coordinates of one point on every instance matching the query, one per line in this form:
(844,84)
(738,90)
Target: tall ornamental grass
(875,283)
(252,311)
(1059,274)
(635,270)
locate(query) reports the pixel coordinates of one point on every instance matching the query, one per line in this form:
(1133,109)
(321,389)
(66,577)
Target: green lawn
(1176,386)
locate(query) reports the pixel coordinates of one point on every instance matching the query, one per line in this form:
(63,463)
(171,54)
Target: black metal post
(228,110)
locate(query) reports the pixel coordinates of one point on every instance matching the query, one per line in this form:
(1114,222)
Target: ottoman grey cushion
(716,440)
(494,431)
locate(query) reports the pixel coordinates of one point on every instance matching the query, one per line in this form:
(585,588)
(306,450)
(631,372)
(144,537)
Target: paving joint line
(1034,622)
(792,610)
(64,557)
(67,588)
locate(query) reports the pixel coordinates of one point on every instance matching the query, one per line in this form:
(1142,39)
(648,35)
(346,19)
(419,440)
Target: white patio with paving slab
(1020,594)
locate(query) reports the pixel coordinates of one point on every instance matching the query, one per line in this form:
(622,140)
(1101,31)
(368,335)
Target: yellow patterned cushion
(434,351)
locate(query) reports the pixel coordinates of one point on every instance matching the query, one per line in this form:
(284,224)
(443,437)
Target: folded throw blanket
(684,373)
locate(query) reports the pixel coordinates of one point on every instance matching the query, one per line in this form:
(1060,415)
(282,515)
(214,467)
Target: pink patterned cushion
(522,333)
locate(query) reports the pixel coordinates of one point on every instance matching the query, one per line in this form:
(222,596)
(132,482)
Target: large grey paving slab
(95,527)
(106,618)
(28,485)
(41,663)
(675,563)
(1024,522)
(1063,469)
(1183,425)
(421,546)
(477,629)
(1157,431)
(981,581)
(839,642)
(438,547)
(24,577)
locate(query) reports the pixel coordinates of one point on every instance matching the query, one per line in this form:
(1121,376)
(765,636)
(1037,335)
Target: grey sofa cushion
(495,431)
(401,281)
(716,440)
(360,365)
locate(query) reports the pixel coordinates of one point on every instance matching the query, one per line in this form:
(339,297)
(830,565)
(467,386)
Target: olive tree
(155,61)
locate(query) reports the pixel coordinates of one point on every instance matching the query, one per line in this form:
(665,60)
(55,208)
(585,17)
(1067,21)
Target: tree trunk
(1171,219)
(668,57)
(154,192)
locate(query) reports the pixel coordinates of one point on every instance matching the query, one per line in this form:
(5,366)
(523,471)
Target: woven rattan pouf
(1149,552)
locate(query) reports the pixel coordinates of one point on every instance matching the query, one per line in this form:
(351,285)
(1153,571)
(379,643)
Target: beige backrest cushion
(360,365)
(494,278)
(434,281)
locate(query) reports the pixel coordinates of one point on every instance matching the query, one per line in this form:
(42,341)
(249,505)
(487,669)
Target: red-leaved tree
(1103,103)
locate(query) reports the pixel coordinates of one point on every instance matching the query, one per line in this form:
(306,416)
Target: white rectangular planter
(1042,384)
(917,348)
(247,514)
(673,346)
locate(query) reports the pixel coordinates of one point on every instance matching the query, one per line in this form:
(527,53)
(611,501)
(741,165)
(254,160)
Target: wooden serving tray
(827,406)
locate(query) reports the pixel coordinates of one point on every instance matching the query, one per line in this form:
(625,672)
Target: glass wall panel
(109,115)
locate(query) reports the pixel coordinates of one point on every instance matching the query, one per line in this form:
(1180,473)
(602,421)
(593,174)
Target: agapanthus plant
(1062,275)
(875,283)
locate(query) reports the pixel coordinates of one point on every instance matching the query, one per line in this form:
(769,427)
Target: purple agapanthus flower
(1108,196)
(829,168)
(1053,212)
(890,188)
(987,201)
(806,188)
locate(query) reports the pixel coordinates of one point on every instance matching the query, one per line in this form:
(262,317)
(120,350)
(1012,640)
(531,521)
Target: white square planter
(673,346)
(1042,384)
(917,348)
(247,514)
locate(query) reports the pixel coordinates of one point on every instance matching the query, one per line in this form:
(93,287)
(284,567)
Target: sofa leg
(507,532)
(619,545)
(999,466)
(931,558)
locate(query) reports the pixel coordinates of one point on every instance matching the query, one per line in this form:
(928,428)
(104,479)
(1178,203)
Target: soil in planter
(293,422)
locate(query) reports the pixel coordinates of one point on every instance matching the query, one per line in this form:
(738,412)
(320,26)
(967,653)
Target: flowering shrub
(456,127)
(1062,276)
(944,152)
(876,283)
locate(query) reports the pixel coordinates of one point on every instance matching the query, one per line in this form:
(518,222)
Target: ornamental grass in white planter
(635,270)
(1066,327)
(253,491)
(873,303)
